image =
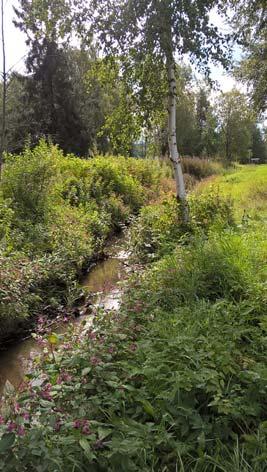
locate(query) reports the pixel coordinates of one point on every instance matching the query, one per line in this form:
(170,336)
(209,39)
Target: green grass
(247,186)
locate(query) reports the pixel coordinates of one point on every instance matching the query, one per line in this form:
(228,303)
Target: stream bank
(101,283)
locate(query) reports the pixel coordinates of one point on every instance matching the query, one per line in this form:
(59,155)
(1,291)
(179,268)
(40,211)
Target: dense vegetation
(56,214)
(176,380)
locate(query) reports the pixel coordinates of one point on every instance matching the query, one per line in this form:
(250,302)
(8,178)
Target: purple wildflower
(21,430)
(11,426)
(95,360)
(77,424)
(86,427)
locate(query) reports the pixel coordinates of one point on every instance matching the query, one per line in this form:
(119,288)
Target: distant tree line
(86,105)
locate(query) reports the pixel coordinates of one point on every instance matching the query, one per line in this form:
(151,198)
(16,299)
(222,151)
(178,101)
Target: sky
(16,48)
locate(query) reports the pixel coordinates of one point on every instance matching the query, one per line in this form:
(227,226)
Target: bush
(159,228)
(6,220)
(29,287)
(226,266)
(27,182)
(200,168)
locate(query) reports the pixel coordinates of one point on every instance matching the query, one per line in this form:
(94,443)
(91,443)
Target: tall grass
(201,168)
(247,187)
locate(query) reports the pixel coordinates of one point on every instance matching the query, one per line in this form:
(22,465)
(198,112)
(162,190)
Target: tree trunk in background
(3,131)
(174,154)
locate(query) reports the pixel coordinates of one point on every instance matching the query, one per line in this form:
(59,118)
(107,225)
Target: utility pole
(4,75)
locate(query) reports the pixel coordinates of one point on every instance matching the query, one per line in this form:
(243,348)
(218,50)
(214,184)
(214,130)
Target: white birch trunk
(174,154)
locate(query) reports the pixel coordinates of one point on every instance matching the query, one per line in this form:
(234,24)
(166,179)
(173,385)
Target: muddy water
(103,284)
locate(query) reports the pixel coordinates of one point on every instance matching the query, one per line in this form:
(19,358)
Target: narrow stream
(102,282)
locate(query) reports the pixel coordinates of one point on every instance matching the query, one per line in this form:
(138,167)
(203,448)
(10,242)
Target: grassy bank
(56,213)
(176,381)
(246,186)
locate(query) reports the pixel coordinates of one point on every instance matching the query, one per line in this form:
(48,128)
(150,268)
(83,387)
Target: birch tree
(166,30)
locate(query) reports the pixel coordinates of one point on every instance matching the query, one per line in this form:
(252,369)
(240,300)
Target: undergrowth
(56,214)
(174,381)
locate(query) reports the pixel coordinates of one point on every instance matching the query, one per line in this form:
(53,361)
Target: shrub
(228,266)
(27,181)
(200,168)
(6,220)
(159,228)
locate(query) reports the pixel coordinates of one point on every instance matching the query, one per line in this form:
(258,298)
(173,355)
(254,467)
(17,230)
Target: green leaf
(86,371)
(7,442)
(87,449)
(53,339)
(148,408)
(103,433)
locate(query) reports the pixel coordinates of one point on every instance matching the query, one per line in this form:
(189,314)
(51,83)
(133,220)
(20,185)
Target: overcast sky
(16,48)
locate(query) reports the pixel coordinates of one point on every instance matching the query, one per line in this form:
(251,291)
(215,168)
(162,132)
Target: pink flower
(86,430)
(64,377)
(2,421)
(77,424)
(11,427)
(21,430)
(45,393)
(46,396)
(41,342)
(86,427)
(95,360)
(66,346)
(26,416)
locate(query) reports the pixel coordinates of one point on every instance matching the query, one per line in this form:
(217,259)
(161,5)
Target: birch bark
(174,154)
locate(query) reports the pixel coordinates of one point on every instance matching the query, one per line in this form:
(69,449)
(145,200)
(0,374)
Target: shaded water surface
(102,282)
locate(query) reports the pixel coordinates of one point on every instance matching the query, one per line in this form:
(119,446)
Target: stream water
(102,282)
